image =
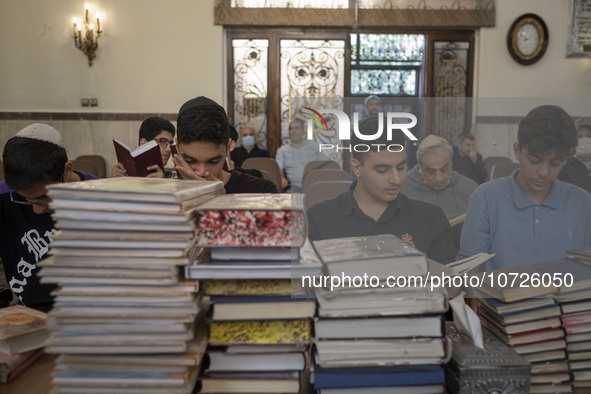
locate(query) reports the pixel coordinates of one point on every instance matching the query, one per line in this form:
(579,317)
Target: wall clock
(527,39)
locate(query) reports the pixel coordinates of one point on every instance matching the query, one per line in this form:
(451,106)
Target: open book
(137,161)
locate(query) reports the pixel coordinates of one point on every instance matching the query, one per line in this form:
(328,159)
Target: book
(379,352)
(379,255)
(381,327)
(13,365)
(276,220)
(267,253)
(457,220)
(545,356)
(573,275)
(543,346)
(518,285)
(22,329)
(219,361)
(247,287)
(375,302)
(133,189)
(362,378)
(260,308)
(251,384)
(138,160)
(501,307)
(260,332)
(536,313)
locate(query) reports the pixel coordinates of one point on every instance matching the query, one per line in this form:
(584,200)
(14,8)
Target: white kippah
(42,132)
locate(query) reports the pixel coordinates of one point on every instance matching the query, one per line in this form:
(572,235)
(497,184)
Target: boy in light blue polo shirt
(530,216)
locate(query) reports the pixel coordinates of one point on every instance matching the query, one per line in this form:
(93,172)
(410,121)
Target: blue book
(426,375)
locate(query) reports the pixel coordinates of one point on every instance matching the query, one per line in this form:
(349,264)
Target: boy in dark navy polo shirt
(373,205)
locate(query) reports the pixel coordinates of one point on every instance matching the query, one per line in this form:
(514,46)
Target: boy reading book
(374,205)
(161,131)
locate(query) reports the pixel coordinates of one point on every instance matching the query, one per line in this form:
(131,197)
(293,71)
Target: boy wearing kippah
(32,159)
(204,144)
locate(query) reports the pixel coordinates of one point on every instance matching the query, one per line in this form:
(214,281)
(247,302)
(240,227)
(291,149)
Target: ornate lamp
(87,40)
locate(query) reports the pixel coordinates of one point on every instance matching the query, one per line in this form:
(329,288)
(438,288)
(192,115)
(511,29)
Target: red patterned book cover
(253,220)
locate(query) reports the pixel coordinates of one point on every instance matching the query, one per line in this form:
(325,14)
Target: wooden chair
(85,166)
(502,169)
(322,176)
(267,164)
(99,161)
(319,165)
(490,161)
(322,191)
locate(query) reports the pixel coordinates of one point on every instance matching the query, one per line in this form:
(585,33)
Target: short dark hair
(584,126)
(233,133)
(153,126)
(548,128)
(370,126)
(203,123)
(463,136)
(28,161)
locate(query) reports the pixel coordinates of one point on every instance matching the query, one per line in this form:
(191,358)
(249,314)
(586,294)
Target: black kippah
(197,102)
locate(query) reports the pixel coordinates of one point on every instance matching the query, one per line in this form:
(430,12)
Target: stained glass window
(386,64)
(250,86)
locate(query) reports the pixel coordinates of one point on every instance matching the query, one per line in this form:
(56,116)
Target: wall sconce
(87,41)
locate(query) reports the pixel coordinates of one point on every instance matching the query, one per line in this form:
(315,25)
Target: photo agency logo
(344,129)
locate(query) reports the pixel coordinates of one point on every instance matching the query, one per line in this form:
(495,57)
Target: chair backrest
(502,169)
(267,164)
(99,161)
(324,175)
(319,165)
(322,191)
(490,161)
(85,166)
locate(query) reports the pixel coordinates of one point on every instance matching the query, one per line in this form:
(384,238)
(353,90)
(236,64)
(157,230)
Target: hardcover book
(366,377)
(518,286)
(378,255)
(246,287)
(260,332)
(261,308)
(22,329)
(131,189)
(253,220)
(136,162)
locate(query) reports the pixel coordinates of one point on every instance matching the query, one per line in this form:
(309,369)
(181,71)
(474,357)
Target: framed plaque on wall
(579,29)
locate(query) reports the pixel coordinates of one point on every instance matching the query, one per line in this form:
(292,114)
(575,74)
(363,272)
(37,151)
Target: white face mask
(584,147)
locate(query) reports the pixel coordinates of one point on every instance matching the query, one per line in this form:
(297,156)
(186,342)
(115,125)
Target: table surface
(35,379)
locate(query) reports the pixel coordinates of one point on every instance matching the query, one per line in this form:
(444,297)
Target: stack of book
(123,319)
(372,337)
(22,338)
(259,333)
(574,298)
(525,316)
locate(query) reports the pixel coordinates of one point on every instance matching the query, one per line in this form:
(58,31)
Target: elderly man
(433,180)
(248,148)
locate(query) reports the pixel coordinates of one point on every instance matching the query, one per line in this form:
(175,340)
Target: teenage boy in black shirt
(373,205)
(204,144)
(32,159)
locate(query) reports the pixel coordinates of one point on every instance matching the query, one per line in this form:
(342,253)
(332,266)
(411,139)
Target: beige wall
(156,54)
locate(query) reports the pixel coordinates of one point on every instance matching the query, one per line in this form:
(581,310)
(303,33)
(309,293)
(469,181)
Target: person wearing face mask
(248,148)
(577,168)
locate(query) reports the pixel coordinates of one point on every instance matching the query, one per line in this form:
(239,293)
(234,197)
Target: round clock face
(527,39)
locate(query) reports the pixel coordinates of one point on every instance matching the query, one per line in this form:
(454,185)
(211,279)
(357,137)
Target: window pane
(384,82)
(250,86)
(391,48)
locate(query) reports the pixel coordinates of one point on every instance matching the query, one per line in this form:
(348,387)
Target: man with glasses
(161,131)
(32,159)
